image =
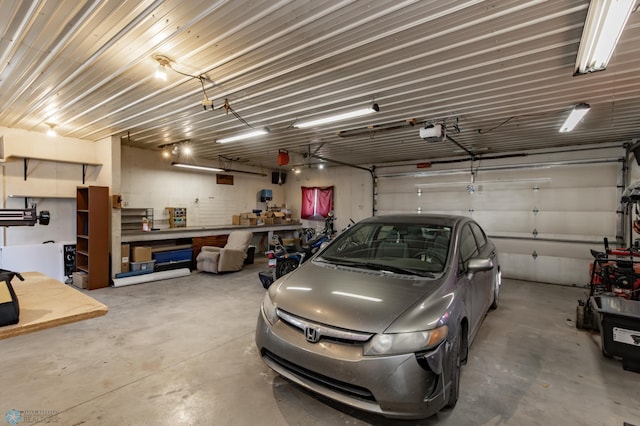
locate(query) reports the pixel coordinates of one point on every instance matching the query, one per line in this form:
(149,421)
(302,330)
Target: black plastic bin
(619,321)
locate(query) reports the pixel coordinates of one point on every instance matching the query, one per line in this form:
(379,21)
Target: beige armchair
(228,258)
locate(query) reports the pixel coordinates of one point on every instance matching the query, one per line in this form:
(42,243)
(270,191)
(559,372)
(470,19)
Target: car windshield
(395,248)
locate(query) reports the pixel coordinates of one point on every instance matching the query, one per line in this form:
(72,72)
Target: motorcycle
(284,259)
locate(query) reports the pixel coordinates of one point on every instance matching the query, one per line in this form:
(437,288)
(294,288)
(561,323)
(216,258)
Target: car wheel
(456,362)
(496,290)
(285,266)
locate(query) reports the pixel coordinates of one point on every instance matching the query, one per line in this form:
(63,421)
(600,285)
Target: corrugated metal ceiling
(499,74)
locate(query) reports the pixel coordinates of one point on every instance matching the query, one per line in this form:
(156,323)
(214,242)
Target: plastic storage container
(173,255)
(142,266)
(619,329)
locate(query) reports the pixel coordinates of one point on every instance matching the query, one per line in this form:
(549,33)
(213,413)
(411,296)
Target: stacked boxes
(245,219)
(141,254)
(267,218)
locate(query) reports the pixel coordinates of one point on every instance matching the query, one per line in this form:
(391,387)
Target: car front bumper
(405,386)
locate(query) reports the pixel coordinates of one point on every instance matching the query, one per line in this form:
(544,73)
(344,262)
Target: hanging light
(242,136)
(338,117)
(163,62)
(161,73)
(575,117)
(197,167)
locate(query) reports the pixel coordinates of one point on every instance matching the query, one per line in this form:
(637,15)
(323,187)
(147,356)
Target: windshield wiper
(377,267)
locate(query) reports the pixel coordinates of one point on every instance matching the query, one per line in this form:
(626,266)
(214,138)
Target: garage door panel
(555,270)
(547,248)
(573,176)
(597,224)
(390,201)
(520,222)
(583,199)
(496,199)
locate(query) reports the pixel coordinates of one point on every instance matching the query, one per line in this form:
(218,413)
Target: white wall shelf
(85,164)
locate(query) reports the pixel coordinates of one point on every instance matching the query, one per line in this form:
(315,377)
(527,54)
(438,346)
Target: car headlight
(404,343)
(269,309)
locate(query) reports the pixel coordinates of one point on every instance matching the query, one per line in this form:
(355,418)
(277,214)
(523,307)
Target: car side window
(468,246)
(481,238)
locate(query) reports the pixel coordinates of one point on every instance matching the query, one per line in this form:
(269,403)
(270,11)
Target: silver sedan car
(382,318)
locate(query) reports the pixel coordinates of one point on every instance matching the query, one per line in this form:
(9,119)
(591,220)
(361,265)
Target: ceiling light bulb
(161,72)
(165,153)
(186,150)
(321,166)
(575,117)
(343,116)
(51,132)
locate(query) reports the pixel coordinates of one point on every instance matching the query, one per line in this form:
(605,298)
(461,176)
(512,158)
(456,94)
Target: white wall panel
(148,181)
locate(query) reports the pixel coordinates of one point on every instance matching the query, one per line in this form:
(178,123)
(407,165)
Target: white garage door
(543,220)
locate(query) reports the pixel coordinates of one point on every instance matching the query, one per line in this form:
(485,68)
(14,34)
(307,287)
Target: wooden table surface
(46,303)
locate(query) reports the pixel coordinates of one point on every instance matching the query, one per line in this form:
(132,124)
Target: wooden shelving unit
(92,234)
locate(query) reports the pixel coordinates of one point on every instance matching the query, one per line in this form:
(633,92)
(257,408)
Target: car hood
(354,299)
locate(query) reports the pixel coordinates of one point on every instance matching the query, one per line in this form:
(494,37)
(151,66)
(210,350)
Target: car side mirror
(478,264)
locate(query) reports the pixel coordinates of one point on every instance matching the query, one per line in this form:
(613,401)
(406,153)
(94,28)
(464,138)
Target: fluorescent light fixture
(242,136)
(574,118)
(197,167)
(601,32)
(344,116)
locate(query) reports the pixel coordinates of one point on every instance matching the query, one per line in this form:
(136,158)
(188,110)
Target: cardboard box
(81,279)
(248,219)
(141,254)
(278,218)
(235,219)
(124,258)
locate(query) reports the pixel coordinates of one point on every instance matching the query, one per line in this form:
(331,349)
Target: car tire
(285,266)
(496,290)
(456,364)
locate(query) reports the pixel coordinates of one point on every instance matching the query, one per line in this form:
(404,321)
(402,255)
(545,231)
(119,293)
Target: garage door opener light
(575,117)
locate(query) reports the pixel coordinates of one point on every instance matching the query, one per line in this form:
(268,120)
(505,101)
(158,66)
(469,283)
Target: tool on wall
(23,217)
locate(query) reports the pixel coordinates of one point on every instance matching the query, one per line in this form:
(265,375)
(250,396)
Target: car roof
(419,219)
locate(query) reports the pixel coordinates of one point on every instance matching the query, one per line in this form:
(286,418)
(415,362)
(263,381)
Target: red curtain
(316,202)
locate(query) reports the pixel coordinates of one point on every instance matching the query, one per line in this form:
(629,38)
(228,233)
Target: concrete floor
(181,352)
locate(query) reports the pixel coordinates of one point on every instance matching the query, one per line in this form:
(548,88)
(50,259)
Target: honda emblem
(312,334)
